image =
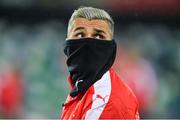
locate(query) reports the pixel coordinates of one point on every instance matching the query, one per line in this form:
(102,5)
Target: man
(96,90)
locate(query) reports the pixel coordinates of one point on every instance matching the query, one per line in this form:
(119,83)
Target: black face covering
(88,59)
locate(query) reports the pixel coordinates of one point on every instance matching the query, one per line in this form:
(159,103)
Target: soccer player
(97,92)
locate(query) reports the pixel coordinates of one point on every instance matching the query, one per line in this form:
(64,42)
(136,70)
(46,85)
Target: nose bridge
(90,32)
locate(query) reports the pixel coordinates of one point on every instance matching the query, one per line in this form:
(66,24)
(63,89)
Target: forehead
(82,22)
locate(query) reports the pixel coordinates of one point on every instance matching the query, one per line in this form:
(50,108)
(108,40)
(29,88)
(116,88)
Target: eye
(79,35)
(99,36)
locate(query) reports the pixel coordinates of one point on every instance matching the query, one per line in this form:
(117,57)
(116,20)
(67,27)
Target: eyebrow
(79,28)
(99,31)
(95,29)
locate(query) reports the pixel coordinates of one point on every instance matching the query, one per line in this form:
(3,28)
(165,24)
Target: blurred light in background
(32,64)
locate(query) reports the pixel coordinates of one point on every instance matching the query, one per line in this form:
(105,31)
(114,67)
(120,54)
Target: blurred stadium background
(32,64)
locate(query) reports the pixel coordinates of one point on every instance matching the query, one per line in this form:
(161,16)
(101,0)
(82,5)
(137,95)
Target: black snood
(87,60)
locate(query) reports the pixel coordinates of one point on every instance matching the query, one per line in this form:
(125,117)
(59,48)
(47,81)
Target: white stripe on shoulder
(102,91)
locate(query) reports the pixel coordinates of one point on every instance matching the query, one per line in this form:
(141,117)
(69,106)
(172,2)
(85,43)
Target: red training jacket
(108,98)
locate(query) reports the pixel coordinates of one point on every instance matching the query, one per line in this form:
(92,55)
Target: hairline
(79,13)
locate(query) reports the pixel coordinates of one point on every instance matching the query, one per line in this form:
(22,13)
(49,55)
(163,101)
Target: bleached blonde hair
(91,13)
